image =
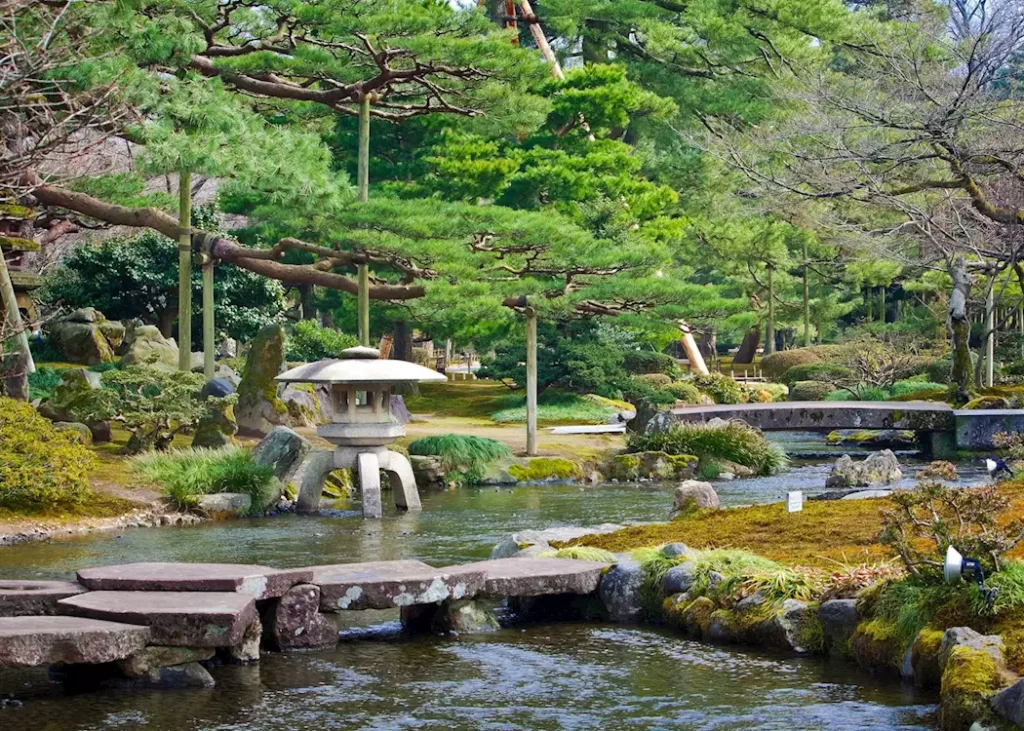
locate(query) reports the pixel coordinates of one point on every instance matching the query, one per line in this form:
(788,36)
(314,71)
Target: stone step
(259,582)
(390,584)
(176,618)
(506,577)
(33,598)
(31,641)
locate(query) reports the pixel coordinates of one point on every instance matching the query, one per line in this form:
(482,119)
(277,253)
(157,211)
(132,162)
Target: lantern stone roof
(360,365)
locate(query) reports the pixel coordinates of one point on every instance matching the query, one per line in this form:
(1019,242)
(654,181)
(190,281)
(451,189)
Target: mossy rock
(546,469)
(876,645)
(725,625)
(873,437)
(259,409)
(924,658)
(696,617)
(657,466)
(987,402)
(217,428)
(969,680)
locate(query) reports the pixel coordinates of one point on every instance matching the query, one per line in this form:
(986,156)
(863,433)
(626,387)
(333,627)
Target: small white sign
(794,501)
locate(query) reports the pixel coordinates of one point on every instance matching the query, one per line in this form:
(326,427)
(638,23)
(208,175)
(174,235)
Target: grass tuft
(186,474)
(464,458)
(733,441)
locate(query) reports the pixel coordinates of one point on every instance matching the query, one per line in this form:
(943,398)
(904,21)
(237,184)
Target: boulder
(463,616)
(73,395)
(839,619)
(511,544)
(144,345)
(296,622)
(217,427)
(620,591)
(81,337)
(787,628)
(224,504)
(956,637)
(1009,704)
(197,362)
(972,670)
(259,409)
(248,650)
(679,579)
(228,348)
(693,495)
(428,471)
(82,432)
(218,387)
(302,406)
(880,468)
(676,550)
(657,466)
(142,663)
(283,450)
(171,677)
(114,332)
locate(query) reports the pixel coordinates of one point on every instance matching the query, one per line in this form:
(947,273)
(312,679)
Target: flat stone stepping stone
(176,618)
(507,577)
(259,582)
(33,598)
(30,641)
(390,584)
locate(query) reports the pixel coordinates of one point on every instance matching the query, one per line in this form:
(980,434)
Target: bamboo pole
(185,271)
(807,303)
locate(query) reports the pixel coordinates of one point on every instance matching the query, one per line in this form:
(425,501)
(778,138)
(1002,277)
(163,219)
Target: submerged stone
(621,589)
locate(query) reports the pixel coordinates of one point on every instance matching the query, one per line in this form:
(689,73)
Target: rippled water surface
(568,676)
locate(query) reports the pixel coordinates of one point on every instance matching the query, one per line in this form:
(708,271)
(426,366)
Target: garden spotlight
(956,566)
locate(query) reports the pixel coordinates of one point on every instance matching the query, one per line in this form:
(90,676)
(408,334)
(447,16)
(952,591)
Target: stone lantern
(361,427)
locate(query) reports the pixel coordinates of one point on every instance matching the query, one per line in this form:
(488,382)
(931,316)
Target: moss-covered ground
(823,533)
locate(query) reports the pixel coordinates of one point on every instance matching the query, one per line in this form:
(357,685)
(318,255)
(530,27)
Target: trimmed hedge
(647,361)
(827,372)
(810,391)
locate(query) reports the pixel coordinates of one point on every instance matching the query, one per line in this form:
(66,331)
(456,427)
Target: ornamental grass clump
(187,474)
(42,469)
(463,457)
(733,441)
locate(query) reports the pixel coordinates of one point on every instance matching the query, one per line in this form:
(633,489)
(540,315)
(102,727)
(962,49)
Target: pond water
(569,676)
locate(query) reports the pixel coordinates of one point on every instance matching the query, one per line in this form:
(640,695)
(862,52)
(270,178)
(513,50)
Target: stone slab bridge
(152,625)
(942,428)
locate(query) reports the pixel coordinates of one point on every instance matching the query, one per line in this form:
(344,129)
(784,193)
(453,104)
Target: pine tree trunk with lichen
(960,331)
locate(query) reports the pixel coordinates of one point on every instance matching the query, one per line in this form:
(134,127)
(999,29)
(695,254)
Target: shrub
(153,405)
(310,341)
(659,380)
(684,391)
(933,516)
(721,388)
(809,391)
(825,372)
(40,467)
(638,392)
(647,361)
(43,382)
(463,457)
(763,393)
(734,441)
(187,474)
(776,364)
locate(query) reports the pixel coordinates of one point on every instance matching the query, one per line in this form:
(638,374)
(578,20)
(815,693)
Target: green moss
(696,617)
(970,678)
(876,645)
(810,635)
(16,243)
(581,553)
(987,402)
(924,656)
(541,469)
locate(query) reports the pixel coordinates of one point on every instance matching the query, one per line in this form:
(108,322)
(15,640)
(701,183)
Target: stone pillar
(295,621)
(403,481)
(308,480)
(369,484)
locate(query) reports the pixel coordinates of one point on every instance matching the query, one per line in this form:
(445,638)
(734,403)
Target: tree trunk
(402,349)
(307,301)
(769,337)
(868,301)
(807,303)
(209,328)
(708,345)
(531,381)
(363,175)
(184,271)
(990,334)
(748,348)
(960,331)
(165,321)
(17,366)
(881,304)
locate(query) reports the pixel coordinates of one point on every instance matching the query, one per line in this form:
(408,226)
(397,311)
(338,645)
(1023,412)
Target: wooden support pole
(769,340)
(807,302)
(541,40)
(531,381)
(17,385)
(209,332)
(364,306)
(185,271)
(990,340)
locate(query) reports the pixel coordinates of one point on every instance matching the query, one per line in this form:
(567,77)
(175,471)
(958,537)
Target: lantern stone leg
(309,480)
(369,484)
(403,482)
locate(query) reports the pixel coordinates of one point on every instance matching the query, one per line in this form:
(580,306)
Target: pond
(569,676)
